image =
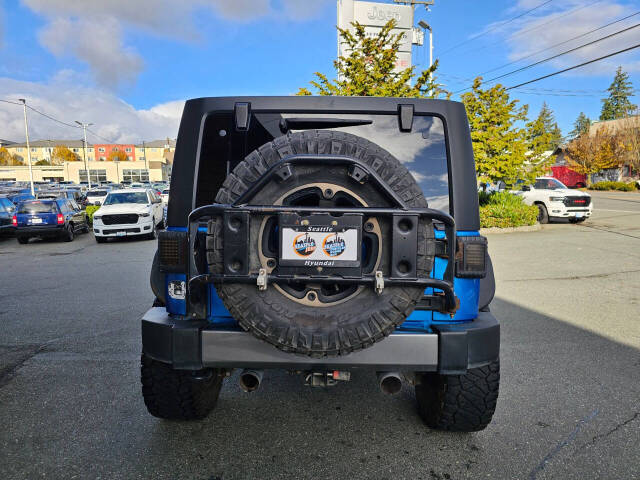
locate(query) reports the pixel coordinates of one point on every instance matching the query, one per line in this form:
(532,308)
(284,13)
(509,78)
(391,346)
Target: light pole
(26,133)
(84,150)
(425,26)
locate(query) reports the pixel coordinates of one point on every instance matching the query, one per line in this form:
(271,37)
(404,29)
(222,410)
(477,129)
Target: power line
(563,53)
(495,27)
(99,136)
(52,118)
(574,67)
(517,34)
(8,101)
(561,43)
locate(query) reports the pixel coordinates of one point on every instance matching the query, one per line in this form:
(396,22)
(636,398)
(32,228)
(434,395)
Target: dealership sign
(374,16)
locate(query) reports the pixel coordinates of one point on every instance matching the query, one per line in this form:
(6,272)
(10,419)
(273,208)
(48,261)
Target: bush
(621,186)
(91,209)
(504,209)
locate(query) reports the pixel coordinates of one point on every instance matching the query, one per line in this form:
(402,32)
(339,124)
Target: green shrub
(91,209)
(621,186)
(505,210)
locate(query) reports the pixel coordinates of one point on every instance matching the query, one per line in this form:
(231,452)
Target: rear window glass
(38,207)
(422,151)
(97,193)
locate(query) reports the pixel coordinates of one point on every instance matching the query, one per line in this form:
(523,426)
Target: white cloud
(114,119)
(98,43)
(92,30)
(540,32)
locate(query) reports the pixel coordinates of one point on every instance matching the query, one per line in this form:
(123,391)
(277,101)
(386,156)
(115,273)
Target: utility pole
(26,133)
(84,150)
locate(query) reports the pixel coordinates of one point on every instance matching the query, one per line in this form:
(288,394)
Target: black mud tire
(543,214)
(22,240)
(178,394)
(459,403)
(344,327)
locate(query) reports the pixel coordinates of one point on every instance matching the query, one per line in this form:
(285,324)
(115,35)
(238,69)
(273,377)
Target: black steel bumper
(195,344)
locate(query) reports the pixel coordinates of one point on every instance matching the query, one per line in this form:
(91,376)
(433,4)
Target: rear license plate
(321,244)
(579,215)
(121,234)
(36,220)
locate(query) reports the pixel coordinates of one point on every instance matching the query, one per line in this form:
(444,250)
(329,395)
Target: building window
(102,159)
(19,149)
(127,149)
(130,158)
(33,149)
(115,149)
(90,149)
(97,176)
(142,159)
(74,150)
(101,149)
(131,176)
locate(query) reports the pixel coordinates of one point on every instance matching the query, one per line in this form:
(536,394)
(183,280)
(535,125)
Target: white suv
(555,200)
(130,212)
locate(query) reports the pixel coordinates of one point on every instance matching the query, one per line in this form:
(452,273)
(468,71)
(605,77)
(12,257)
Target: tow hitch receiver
(326,379)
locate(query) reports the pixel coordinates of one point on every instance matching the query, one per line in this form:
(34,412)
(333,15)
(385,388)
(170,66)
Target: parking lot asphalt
(568,297)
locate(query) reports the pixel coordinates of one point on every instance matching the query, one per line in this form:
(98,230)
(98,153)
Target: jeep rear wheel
(295,317)
(178,394)
(459,403)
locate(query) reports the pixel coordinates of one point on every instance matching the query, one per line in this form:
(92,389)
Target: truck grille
(577,201)
(119,219)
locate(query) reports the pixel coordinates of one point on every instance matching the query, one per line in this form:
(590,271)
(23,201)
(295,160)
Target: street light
(425,26)
(26,133)
(84,150)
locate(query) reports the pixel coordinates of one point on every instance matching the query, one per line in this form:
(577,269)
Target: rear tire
(178,394)
(23,240)
(543,215)
(459,403)
(69,234)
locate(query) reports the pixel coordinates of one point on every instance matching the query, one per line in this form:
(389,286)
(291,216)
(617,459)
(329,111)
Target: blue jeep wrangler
(324,236)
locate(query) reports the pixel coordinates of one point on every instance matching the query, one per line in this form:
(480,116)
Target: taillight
(471,257)
(14,221)
(60,219)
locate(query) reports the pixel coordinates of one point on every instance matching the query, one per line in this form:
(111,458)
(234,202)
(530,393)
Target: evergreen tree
(617,104)
(369,69)
(580,126)
(544,132)
(499,144)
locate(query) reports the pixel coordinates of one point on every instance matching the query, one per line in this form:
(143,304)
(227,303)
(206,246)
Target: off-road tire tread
(459,403)
(288,338)
(175,394)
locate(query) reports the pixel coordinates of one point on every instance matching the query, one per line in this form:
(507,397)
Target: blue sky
(127,65)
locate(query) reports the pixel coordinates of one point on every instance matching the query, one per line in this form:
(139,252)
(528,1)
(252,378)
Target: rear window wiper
(287,124)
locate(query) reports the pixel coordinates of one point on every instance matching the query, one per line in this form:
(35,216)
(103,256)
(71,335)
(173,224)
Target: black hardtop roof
(463,198)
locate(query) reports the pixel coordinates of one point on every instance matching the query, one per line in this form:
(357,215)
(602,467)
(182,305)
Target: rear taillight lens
(60,219)
(471,257)
(173,251)
(14,221)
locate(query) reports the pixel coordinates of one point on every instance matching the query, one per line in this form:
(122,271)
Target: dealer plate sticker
(320,246)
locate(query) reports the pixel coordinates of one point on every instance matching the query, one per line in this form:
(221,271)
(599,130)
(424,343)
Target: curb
(498,230)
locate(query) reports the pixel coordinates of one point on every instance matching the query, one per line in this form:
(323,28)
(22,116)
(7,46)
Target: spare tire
(319,320)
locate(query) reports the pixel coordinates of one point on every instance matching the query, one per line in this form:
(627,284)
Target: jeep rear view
(330,237)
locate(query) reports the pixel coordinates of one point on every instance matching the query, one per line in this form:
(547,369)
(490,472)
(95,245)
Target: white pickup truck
(556,200)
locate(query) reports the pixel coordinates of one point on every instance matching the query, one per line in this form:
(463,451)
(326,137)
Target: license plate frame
(579,214)
(121,234)
(36,221)
(320,240)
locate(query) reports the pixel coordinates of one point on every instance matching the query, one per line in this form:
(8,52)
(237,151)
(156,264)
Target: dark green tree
(580,126)
(369,69)
(543,132)
(617,104)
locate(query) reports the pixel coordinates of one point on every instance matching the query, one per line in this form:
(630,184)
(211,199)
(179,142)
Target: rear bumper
(44,230)
(192,345)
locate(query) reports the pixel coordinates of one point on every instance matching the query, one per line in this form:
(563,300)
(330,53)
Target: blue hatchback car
(61,218)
